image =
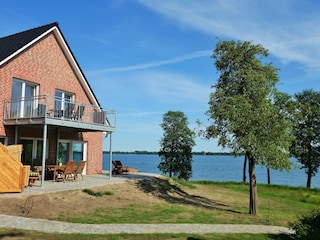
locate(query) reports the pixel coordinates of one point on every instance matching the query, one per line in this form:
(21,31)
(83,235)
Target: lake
(218,168)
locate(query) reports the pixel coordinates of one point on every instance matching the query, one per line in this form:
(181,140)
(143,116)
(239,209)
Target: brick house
(46,102)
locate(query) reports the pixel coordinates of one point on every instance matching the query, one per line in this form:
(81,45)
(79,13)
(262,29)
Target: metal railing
(44,106)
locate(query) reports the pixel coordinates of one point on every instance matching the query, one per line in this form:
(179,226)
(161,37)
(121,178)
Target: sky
(143,58)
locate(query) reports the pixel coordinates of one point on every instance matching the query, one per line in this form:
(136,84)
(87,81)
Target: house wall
(45,64)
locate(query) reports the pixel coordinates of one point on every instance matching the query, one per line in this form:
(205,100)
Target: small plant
(96,194)
(60,161)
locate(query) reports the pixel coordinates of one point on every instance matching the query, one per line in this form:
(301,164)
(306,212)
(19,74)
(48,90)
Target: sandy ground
(74,202)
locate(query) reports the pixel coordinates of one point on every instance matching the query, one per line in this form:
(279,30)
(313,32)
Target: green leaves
(242,110)
(176,145)
(307,131)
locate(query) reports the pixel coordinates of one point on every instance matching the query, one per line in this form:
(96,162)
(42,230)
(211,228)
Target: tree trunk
(268,175)
(253,208)
(309,178)
(244,178)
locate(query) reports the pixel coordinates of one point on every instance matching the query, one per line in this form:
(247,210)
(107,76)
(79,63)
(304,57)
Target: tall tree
(176,146)
(242,110)
(307,132)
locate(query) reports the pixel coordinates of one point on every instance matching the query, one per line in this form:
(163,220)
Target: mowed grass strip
(25,234)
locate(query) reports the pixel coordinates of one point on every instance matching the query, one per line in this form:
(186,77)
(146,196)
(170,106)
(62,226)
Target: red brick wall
(45,64)
(96,142)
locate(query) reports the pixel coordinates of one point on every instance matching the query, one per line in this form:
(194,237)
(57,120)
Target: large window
(78,151)
(32,151)
(63,104)
(22,97)
(72,150)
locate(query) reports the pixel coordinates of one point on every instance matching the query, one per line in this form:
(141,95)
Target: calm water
(215,168)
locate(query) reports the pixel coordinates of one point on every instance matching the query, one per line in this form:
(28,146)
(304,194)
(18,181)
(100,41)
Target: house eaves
(68,54)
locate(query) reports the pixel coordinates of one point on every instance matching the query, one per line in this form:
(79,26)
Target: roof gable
(12,45)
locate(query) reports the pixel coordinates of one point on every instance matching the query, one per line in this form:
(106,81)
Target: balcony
(42,110)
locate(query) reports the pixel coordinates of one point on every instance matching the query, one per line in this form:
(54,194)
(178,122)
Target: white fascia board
(68,55)
(75,66)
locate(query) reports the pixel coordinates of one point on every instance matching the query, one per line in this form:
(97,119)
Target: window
(78,151)
(32,151)
(72,150)
(63,104)
(22,96)
(64,149)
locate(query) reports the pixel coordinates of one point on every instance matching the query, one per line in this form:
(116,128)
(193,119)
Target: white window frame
(23,94)
(70,150)
(34,146)
(63,98)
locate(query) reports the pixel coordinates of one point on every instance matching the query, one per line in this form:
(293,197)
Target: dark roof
(12,43)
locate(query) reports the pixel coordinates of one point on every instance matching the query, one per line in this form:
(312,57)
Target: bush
(96,194)
(308,226)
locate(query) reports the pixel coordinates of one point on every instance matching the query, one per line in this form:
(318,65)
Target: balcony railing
(59,109)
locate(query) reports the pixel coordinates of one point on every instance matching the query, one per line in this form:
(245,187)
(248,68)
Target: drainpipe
(57,147)
(44,150)
(16,135)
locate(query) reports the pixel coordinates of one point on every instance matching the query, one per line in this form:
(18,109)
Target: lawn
(171,201)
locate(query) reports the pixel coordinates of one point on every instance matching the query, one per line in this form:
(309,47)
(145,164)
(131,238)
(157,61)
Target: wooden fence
(13,174)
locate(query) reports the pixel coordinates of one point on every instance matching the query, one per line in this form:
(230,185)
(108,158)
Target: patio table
(56,168)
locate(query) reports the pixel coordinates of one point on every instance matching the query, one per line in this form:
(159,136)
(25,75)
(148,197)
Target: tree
(307,132)
(242,112)
(176,146)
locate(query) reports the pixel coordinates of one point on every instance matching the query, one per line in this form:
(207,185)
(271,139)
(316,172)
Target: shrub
(308,226)
(97,194)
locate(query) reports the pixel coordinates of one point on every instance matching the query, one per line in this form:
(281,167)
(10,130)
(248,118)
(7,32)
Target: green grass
(278,205)
(96,194)
(18,234)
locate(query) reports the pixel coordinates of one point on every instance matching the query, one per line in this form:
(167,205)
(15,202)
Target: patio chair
(68,172)
(79,170)
(79,113)
(69,111)
(34,175)
(119,168)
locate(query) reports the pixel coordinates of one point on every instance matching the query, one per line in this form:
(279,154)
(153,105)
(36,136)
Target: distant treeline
(155,153)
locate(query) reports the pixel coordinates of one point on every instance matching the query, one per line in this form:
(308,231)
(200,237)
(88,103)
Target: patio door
(27,156)
(32,151)
(63,151)
(72,151)
(79,151)
(63,104)
(23,95)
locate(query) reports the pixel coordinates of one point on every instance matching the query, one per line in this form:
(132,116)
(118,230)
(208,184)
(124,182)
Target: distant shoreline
(156,153)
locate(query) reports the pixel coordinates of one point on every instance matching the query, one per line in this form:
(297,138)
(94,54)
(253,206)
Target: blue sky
(143,58)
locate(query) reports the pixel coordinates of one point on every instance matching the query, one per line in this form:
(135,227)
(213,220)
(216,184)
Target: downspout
(57,147)
(16,135)
(44,150)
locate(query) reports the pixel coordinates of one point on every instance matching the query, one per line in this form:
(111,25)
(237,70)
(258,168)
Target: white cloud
(173,86)
(289,29)
(144,114)
(153,64)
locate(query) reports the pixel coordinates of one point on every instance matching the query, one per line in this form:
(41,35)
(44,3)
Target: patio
(89,181)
